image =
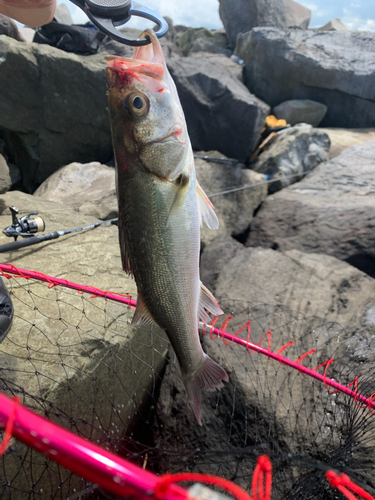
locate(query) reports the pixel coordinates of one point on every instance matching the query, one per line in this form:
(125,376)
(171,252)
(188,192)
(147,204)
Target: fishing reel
(26,226)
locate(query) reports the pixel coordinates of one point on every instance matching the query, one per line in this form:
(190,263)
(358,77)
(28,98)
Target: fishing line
(250,186)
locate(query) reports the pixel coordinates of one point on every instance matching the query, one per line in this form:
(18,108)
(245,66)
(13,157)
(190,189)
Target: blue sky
(355,14)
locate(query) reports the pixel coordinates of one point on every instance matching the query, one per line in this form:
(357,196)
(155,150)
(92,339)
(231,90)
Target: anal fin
(142,315)
(207,302)
(206,209)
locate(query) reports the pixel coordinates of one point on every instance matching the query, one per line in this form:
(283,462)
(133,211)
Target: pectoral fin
(206,209)
(124,247)
(207,302)
(142,315)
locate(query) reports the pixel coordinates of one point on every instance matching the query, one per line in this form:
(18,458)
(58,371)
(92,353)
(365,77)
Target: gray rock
(242,16)
(331,211)
(9,28)
(62,14)
(267,404)
(234,210)
(5,180)
(186,39)
(297,15)
(333,68)
(301,111)
(293,153)
(202,45)
(88,188)
(334,25)
(220,112)
(221,59)
(15,176)
(342,139)
(56,112)
(81,364)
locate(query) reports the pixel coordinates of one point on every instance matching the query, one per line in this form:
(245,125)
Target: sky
(355,14)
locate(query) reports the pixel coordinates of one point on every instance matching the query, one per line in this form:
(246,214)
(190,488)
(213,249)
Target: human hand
(33,13)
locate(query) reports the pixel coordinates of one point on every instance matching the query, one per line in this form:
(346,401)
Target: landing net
(73,357)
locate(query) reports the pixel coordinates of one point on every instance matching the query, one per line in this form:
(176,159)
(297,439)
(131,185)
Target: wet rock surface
(333,68)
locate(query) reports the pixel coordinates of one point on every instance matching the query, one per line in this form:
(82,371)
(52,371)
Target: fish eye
(136,104)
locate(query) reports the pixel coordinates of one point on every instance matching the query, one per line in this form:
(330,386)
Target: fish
(161,208)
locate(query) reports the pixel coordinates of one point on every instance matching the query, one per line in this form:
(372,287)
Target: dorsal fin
(206,209)
(207,302)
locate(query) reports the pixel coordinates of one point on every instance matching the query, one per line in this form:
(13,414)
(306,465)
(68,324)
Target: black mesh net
(75,359)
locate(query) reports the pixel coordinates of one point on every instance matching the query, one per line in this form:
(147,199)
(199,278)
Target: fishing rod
(27,226)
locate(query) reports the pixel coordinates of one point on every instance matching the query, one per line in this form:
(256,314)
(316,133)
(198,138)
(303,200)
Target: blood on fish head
(146,115)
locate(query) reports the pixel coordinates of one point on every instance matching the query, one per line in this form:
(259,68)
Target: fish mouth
(147,60)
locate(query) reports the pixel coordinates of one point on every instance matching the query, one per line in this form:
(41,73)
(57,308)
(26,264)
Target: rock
(62,15)
(242,16)
(202,45)
(331,211)
(81,364)
(267,405)
(5,180)
(333,68)
(344,138)
(234,210)
(89,188)
(297,15)
(293,152)
(221,59)
(334,25)
(56,113)
(220,112)
(301,111)
(186,39)
(313,284)
(9,28)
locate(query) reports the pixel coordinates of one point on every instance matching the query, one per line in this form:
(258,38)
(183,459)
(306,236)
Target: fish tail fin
(209,379)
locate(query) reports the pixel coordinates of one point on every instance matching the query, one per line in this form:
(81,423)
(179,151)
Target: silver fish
(161,206)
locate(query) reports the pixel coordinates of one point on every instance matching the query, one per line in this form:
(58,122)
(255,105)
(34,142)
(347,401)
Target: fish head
(146,116)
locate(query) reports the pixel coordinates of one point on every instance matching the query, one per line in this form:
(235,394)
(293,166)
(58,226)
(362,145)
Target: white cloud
(358,24)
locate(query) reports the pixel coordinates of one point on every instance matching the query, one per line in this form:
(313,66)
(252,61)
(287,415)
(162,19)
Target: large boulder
(185,40)
(342,138)
(72,357)
(52,108)
(334,25)
(5,179)
(313,284)
(242,16)
(217,174)
(330,211)
(266,406)
(220,112)
(334,68)
(301,111)
(88,188)
(293,153)
(9,28)
(219,58)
